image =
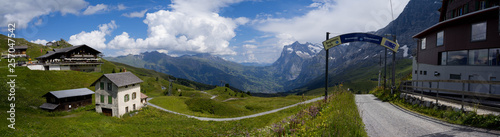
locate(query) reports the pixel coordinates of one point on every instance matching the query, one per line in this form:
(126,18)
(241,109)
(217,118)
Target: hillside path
(236,118)
(383,119)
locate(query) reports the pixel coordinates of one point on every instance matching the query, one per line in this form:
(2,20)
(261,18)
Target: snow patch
(290,50)
(365,57)
(303,54)
(314,49)
(405,50)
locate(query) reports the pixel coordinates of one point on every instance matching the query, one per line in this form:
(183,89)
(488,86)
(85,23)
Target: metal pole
(326,68)
(385,68)
(393,67)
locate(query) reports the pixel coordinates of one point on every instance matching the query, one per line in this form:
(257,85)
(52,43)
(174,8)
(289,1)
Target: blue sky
(237,30)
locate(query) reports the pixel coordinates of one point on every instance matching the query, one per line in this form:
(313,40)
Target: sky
(243,31)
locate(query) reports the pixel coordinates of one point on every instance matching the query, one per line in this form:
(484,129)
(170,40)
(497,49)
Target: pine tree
(113,71)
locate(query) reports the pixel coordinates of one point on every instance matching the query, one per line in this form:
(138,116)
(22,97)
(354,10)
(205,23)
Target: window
(102,98)
(455,76)
(457,57)
(494,57)
(478,31)
(134,96)
(478,57)
(416,71)
(110,100)
(110,86)
(440,38)
(126,98)
(482,4)
(102,86)
(422,43)
(425,72)
(126,109)
(443,58)
(133,107)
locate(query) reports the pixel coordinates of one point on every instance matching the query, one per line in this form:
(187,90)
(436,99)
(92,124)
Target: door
(107,112)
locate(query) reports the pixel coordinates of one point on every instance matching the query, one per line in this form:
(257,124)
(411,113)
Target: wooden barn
(67,99)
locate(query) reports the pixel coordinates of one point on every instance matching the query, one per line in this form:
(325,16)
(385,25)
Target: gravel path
(383,119)
(235,118)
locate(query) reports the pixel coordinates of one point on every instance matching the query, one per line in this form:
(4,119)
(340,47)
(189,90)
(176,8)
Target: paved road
(383,119)
(235,118)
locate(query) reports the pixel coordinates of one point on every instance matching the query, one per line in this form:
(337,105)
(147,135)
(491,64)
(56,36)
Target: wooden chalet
(20,51)
(77,58)
(67,99)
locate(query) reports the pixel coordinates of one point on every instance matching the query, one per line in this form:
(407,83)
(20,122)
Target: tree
(113,71)
(121,70)
(156,78)
(227,85)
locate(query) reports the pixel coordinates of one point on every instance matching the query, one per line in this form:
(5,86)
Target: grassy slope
(363,79)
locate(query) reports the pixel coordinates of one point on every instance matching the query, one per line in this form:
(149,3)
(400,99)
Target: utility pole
(326,68)
(385,67)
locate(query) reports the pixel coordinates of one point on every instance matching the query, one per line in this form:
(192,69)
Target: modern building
(464,45)
(118,93)
(78,58)
(67,99)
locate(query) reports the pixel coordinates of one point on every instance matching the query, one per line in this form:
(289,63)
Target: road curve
(383,119)
(235,118)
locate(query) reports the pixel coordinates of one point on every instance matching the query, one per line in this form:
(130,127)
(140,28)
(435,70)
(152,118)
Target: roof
(20,47)
(49,106)
(121,79)
(143,96)
(64,50)
(453,20)
(70,93)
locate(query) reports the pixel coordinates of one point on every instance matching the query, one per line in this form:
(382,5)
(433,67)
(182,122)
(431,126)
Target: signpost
(360,37)
(357,37)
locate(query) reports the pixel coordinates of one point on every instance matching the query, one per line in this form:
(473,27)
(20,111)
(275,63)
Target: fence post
(422,92)
(463,88)
(437,92)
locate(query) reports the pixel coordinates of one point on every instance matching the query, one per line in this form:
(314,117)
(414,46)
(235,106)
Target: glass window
(126,109)
(443,58)
(110,100)
(110,86)
(455,76)
(423,41)
(457,57)
(102,86)
(126,98)
(102,98)
(494,57)
(478,31)
(478,57)
(133,96)
(440,38)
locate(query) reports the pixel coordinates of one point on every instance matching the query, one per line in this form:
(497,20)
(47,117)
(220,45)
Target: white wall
(122,91)
(54,67)
(65,68)
(36,67)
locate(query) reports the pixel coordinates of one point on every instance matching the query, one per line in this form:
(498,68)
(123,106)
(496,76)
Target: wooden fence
(408,87)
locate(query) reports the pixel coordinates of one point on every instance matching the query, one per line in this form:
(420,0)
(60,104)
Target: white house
(117,94)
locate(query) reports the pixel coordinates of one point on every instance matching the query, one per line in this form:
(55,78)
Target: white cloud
(250,41)
(191,26)
(22,12)
(95,9)
(121,7)
(248,46)
(95,38)
(137,14)
(40,41)
(335,16)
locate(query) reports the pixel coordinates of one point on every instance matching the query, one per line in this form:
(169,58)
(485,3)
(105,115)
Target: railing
(412,86)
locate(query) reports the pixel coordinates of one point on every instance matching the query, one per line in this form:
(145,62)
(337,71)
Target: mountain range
(300,66)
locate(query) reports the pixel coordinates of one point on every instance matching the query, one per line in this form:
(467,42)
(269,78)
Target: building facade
(117,94)
(78,58)
(67,99)
(464,45)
